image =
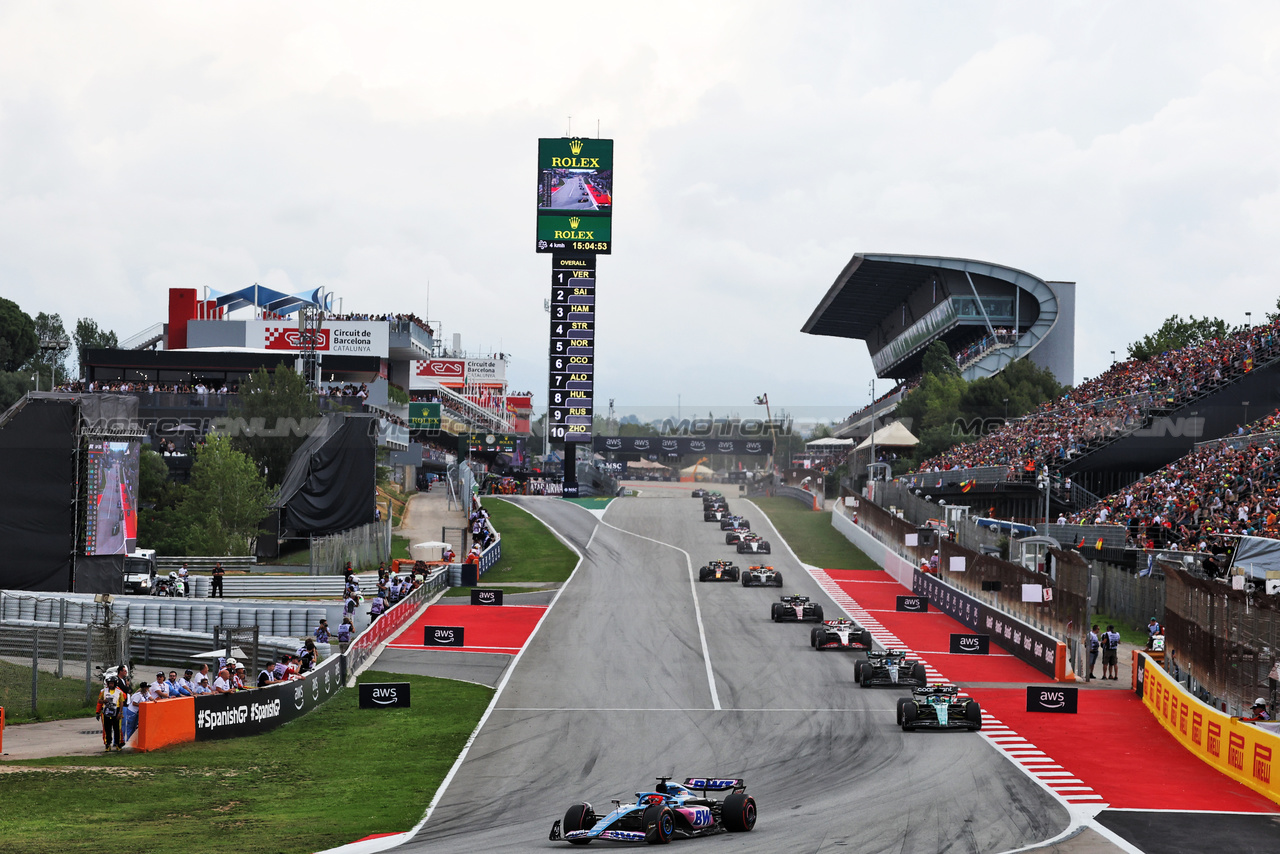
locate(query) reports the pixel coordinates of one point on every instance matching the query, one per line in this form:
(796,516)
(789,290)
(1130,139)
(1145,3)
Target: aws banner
(681,445)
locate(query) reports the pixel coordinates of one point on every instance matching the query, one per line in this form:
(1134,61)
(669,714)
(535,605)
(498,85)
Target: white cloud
(371,149)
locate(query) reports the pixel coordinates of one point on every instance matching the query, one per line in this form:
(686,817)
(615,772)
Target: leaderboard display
(573,348)
(575,195)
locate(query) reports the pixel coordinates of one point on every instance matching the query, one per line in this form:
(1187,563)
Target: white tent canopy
(893,435)
(828,442)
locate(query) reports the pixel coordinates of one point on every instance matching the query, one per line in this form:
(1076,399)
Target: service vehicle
(140,571)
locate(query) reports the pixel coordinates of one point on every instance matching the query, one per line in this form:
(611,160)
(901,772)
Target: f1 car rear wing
(710,784)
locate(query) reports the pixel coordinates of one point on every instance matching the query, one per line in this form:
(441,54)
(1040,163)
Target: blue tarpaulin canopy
(270,299)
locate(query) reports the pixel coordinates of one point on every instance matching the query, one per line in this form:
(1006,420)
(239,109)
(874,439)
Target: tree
(50,363)
(280,404)
(1176,333)
(89,337)
(937,360)
(18,341)
(226,500)
(13,385)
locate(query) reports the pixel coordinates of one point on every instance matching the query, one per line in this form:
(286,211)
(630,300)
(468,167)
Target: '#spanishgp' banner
(263,709)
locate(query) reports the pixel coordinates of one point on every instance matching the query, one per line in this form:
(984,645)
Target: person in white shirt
(131,710)
(159,688)
(222,685)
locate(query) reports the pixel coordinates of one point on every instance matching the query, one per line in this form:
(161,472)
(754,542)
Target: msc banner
(442,636)
(913,603)
(262,709)
(480,596)
(971,644)
(1030,645)
(678,446)
(1055,699)
(384,695)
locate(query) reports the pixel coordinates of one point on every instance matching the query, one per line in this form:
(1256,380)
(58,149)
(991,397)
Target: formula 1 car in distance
(719,570)
(699,492)
(734,522)
(891,667)
(795,609)
(715,514)
(761,576)
(841,634)
(754,544)
(672,811)
(709,497)
(732,535)
(938,707)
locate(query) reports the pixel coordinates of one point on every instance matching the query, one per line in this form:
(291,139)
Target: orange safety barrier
(165,722)
(1061,665)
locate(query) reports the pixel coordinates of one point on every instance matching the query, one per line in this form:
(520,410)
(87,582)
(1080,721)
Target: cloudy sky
(374,148)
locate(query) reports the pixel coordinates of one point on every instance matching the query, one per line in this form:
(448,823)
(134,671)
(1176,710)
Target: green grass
(336,775)
(508,591)
(56,699)
(530,552)
(810,534)
(1128,634)
(400,547)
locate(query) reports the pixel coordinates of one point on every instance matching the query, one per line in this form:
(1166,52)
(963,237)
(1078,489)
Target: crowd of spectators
(408,317)
(1113,403)
(982,345)
(1223,488)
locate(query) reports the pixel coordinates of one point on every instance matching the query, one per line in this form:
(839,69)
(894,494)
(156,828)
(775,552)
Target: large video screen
(575,195)
(111,523)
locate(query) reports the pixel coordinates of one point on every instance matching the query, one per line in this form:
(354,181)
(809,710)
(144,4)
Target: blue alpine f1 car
(671,811)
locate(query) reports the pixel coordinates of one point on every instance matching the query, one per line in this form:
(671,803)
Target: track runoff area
(637,670)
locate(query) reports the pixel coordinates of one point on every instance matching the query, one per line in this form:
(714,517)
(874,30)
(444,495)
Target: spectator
(1095,645)
(1153,629)
(222,685)
(238,682)
(122,679)
(1259,711)
(202,684)
(136,699)
(266,676)
(159,688)
(171,684)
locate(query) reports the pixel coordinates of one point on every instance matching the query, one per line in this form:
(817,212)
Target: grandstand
(988,315)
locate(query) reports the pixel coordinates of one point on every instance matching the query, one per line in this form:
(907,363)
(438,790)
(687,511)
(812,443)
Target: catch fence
(364,546)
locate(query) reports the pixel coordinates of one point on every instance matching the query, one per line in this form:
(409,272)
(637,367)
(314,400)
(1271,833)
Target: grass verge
(530,552)
(56,699)
(810,534)
(336,775)
(400,547)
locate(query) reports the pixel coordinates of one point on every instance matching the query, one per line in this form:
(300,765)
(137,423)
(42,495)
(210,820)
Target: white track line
(386,843)
(697,607)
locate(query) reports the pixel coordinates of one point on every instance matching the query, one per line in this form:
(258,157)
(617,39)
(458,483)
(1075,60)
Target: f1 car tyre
(857,671)
(909,715)
(579,817)
(817,609)
(745,523)
(744,579)
(918,673)
(773,611)
(973,714)
(777,582)
(902,704)
(702,574)
(813,640)
(768,549)
(739,812)
(659,822)
(737,573)
(866,638)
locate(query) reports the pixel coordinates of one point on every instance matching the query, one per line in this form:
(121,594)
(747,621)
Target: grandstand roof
(870,286)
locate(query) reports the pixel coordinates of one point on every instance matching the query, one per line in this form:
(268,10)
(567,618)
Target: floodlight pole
(870,473)
(764,400)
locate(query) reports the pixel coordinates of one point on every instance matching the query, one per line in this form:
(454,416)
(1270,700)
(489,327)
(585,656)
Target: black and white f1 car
(699,492)
(715,514)
(734,522)
(672,811)
(938,707)
(795,609)
(753,544)
(732,535)
(719,570)
(709,498)
(891,667)
(762,576)
(841,634)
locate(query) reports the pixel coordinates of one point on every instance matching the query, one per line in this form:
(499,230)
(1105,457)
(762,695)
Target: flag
(1150,563)
(966,486)
(1081,543)
(1248,364)
(1098,544)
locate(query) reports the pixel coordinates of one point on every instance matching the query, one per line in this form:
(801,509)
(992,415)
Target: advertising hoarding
(424,416)
(575,195)
(349,337)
